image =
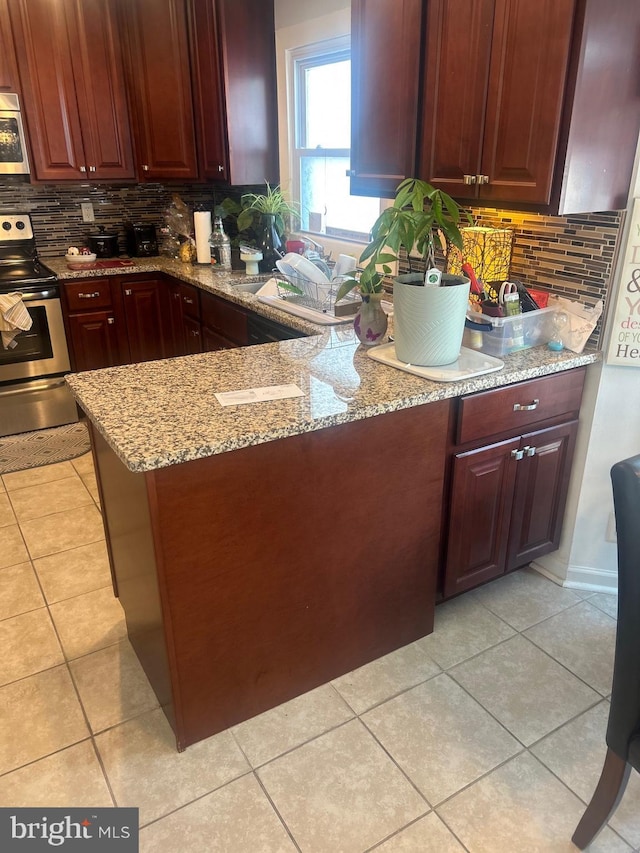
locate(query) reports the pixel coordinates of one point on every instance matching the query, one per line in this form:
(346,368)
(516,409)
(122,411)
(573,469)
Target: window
(321,131)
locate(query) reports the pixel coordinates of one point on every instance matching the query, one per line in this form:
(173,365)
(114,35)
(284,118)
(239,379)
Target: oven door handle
(53,293)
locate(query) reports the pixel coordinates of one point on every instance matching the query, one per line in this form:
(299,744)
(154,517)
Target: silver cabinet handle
(482,179)
(89,295)
(528,407)
(469,179)
(92,168)
(517,454)
(195,333)
(128,292)
(529,451)
(188,300)
(145,168)
(111,320)
(83,168)
(220,168)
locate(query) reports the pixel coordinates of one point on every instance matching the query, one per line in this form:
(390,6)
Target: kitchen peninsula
(260,550)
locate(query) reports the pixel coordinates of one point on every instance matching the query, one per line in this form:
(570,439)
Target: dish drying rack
(317,297)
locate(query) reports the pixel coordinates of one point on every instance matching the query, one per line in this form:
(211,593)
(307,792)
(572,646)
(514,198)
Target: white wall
(290,12)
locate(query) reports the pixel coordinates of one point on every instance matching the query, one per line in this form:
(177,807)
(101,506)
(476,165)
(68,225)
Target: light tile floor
(487,735)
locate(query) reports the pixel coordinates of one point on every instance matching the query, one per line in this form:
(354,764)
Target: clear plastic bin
(510,334)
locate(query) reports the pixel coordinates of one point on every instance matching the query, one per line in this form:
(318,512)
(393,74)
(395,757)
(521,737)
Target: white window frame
(322,52)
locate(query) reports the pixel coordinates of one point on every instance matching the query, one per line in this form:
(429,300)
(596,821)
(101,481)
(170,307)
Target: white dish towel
(14,318)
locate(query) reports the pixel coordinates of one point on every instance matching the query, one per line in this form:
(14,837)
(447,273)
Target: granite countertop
(162,413)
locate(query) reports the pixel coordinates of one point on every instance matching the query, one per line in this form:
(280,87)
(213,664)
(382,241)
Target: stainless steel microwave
(13,145)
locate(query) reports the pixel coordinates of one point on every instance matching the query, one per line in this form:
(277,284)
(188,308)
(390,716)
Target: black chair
(623,729)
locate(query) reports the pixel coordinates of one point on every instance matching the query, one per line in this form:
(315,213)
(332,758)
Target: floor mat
(43,447)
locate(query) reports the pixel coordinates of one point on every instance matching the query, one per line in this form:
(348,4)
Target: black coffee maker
(141,239)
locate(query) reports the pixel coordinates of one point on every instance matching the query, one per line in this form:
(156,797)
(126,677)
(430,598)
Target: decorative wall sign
(624,344)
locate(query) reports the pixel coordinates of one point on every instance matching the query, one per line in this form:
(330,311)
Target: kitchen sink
(248,286)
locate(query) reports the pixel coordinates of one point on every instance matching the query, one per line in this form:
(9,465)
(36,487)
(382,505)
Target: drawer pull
(188,300)
(517,454)
(128,292)
(469,179)
(195,333)
(89,295)
(529,451)
(110,320)
(529,407)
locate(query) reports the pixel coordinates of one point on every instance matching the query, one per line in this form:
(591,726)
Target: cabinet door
(542,481)
(481,496)
(455,93)
(178,343)
(212,341)
(192,335)
(44,57)
(529,60)
(101,95)
(94,340)
(145,309)
(386,38)
(8,67)
(160,84)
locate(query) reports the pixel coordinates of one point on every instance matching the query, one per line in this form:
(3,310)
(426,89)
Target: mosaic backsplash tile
(572,255)
(57,219)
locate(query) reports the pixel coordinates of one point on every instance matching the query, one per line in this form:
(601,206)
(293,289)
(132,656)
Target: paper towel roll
(202,227)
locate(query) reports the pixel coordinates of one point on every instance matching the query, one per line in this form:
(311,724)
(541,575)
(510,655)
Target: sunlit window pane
(328,105)
(327,206)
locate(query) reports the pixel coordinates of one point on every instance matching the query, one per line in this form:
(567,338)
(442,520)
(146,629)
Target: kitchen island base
(250,577)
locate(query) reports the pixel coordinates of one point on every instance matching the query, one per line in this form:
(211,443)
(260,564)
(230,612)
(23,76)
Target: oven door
(42,350)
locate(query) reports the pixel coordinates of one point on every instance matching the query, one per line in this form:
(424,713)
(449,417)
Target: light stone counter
(163,413)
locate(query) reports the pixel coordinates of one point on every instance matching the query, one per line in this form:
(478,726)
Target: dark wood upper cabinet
(386,39)
(235,90)
(8,66)
(159,83)
(494,90)
(527,105)
(72,80)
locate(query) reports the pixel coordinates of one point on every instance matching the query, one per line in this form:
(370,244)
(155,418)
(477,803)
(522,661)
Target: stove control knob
(6,226)
(20,225)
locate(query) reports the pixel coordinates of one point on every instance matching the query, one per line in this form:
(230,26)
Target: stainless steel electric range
(33,393)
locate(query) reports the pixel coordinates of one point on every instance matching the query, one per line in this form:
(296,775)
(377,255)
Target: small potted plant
(267,214)
(427,320)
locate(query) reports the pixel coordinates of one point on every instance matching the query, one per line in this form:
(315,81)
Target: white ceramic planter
(429,321)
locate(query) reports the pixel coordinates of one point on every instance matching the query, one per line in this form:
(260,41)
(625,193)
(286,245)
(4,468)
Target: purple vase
(370,323)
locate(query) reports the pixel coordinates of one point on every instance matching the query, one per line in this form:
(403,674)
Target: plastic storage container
(509,334)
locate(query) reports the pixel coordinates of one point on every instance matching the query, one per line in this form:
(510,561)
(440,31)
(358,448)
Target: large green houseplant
(428,321)
(419,215)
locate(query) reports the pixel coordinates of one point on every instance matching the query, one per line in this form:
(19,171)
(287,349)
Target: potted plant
(428,321)
(267,214)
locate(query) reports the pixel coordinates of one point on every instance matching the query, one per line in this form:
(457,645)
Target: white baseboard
(582,577)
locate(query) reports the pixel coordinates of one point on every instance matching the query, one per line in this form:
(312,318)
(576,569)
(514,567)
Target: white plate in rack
(469,364)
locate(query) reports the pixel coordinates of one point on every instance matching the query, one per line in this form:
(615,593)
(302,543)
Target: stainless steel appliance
(33,394)
(13,146)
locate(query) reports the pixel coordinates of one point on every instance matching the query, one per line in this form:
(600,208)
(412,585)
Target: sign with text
(33,830)
(624,344)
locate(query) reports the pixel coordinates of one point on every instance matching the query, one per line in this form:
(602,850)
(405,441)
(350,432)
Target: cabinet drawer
(222,316)
(517,406)
(89,294)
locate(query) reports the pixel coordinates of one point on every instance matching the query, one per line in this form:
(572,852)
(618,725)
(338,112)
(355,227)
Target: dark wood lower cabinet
(235,597)
(508,496)
(145,306)
(94,340)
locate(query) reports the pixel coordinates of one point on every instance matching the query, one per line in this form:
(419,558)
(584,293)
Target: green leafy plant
(419,215)
(254,205)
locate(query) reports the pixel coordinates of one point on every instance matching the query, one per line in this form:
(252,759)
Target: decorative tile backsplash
(572,255)
(57,219)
